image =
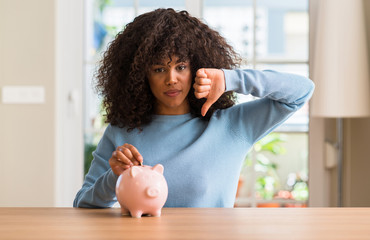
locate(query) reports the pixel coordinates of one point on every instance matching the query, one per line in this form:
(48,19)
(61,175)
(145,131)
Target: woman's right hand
(124,157)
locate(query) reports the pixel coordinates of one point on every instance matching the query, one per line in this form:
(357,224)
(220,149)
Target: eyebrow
(165,64)
(182,60)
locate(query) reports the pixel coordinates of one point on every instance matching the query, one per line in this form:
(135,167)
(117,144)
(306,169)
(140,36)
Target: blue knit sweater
(202,160)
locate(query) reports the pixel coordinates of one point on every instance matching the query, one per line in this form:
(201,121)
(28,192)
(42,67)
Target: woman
(168,89)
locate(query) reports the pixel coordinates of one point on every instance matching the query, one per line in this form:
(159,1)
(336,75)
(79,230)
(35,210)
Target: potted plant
(267,180)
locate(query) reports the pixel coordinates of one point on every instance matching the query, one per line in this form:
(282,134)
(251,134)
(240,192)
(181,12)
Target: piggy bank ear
(135,171)
(159,168)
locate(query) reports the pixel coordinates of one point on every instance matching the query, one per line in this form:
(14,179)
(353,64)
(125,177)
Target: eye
(158,70)
(181,67)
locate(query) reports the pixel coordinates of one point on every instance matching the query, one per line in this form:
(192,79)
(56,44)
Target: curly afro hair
(122,76)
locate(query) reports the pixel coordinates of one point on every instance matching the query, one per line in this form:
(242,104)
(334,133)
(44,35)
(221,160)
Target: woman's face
(170,82)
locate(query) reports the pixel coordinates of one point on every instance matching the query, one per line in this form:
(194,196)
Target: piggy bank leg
(136,213)
(156,213)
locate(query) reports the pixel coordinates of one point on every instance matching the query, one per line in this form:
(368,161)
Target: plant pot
(268,205)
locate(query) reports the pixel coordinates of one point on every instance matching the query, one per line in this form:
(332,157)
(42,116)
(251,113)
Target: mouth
(172,93)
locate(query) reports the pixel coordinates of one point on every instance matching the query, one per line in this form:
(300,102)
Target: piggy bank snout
(152,192)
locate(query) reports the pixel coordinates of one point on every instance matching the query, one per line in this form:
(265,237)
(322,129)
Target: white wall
(38,166)
(27,131)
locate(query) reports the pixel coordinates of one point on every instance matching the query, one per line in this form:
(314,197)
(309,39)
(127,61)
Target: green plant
(300,191)
(297,185)
(88,157)
(267,181)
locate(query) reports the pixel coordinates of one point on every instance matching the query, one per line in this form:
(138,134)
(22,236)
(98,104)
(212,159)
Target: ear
(159,168)
(135,171)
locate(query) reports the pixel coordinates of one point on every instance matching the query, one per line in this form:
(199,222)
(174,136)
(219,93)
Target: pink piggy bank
(142,190)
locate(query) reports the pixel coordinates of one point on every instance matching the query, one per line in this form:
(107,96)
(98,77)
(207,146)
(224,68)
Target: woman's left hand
(209,84)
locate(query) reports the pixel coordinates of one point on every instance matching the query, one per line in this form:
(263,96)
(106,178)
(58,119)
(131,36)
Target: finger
(201,95)
(127,149)
(117,166)
(122,158)
(135,153)
(136,162)
(201,73)
(203,81)
(202,88)
(114,162)
(127,152)
(126,167)
(132,154)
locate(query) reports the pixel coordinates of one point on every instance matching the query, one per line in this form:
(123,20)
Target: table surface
(186,223)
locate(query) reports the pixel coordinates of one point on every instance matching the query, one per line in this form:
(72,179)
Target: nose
(171,77)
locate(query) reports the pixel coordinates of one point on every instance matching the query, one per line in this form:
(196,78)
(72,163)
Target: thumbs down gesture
(209,84)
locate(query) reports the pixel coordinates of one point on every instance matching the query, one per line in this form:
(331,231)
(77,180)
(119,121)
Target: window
(268,34)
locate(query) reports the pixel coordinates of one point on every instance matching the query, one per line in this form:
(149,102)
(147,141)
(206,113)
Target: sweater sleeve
(98,189)
(280,95)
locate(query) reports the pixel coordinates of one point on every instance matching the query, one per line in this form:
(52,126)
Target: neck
(180,110)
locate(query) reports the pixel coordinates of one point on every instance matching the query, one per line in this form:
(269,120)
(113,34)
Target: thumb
(217,88)
(206,106)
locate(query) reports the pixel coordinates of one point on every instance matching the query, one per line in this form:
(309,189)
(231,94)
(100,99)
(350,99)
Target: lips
(172,93)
